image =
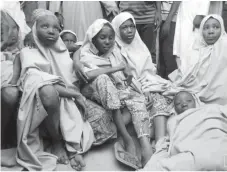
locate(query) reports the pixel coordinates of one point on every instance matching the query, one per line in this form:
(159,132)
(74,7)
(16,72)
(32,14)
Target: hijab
(54,59)
(138,55)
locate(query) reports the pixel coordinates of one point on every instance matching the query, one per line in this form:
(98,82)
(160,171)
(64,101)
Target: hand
(197,21)
(165,29)
(72,47)
(80,101)
(29,41)
(129,76)
(158,20)
(150,101)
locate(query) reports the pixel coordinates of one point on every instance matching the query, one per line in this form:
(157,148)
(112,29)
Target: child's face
(211,31)
(48,30)
(105,39)
(10,29)
(184,101)
(127,31)
(69,38)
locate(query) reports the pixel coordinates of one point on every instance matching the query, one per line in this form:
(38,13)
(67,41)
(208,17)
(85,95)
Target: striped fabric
(165,9)
(142,11)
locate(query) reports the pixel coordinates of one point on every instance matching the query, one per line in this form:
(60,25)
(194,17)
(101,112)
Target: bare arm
(16,70)
(67,92)
(96,72)
(173,10)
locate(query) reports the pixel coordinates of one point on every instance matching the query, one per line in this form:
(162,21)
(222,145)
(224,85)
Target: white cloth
(207,76)
(79,15)
(198,139)
(184,35)
(138,57)
(14,10)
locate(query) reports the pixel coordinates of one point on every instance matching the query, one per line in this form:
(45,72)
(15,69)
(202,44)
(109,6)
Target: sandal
(125,157)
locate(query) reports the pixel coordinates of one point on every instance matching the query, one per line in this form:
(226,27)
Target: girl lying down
(197,138)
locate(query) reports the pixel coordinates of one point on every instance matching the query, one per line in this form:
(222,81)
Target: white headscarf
(57,55)
(200,42)
(89,52)
(14,10)
(139,57)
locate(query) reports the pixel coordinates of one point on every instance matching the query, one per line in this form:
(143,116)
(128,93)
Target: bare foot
(77,162)
(58,149)
(130,146)
(146,154)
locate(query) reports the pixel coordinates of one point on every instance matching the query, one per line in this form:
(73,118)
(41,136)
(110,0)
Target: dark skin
(166,26)
(48,33)
(104,41)
(10,93)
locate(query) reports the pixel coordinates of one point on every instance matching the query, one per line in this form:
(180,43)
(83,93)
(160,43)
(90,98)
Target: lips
(106,48)
(50,38)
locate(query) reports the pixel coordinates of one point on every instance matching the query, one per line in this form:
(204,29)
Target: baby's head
(183,101)
(68,37)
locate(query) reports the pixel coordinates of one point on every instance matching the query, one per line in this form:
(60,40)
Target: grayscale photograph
(114,85)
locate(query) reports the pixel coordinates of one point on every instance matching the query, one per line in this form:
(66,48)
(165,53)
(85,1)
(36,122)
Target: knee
(10,96)
(48,95)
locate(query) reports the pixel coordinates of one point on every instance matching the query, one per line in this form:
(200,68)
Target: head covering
(57,55)
(207,76)
(68,31)
(14,10)
(200,40)
(139,57)
(6,19)
(89,52)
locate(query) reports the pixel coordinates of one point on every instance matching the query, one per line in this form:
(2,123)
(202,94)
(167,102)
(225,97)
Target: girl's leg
(161,107)
(105,93)
(160,126)
(50,100)
(140,119)
(128,141)
(9,103)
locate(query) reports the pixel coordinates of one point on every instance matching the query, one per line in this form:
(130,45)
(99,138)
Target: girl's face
(127,31)
(48,30)
(104,40)
(12,30)
(184,101)
(69,38)
(211,31)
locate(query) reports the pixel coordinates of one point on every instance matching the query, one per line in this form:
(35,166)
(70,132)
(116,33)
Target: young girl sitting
(11,43)
(48,101)
(98,117)
(112,86)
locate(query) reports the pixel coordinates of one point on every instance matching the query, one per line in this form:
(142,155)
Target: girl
(206,76)
(11,43)
(143,70)
(48,101)
(99,119)
(112,86)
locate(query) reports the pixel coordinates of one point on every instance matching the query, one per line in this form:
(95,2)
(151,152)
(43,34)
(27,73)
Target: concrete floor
(102,158)
(99,159)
